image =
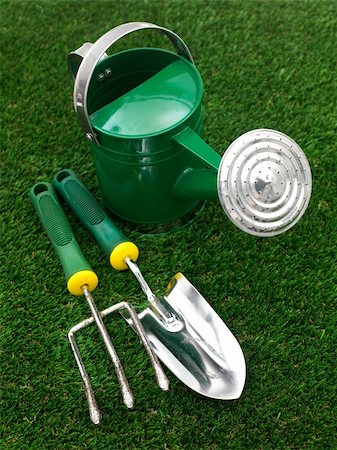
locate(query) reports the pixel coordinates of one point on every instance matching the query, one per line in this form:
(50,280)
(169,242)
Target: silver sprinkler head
(264,182)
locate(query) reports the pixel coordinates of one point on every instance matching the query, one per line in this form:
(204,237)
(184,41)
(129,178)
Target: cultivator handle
(76,268)
(94,218)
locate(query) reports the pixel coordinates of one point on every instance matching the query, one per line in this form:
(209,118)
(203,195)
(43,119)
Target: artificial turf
(264,64)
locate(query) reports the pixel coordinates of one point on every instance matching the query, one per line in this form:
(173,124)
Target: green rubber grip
(75,266)
(88,210)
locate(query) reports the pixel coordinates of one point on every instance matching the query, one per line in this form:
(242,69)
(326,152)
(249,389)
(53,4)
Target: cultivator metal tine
(161,378)
(94,412)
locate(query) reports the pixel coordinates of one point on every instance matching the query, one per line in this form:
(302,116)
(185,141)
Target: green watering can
(141,112)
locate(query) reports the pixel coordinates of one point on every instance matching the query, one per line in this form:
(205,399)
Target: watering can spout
(199,184)
(192,142)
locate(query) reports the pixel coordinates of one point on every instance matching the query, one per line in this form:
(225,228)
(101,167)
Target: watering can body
(138,161)
(140,103)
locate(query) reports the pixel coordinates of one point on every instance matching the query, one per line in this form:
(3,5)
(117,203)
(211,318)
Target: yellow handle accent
(81,278)
(177,276)
(120,252)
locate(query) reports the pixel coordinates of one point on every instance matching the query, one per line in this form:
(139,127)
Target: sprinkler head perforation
(264,182)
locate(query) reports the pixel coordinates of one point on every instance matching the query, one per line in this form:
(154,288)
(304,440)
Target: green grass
(264,64)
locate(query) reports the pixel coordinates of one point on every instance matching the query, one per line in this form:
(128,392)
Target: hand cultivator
(82,280)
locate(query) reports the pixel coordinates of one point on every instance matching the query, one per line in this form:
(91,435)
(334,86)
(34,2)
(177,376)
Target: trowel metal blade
(197,346)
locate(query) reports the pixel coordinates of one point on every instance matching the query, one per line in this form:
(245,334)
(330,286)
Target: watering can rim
(199,85)
(95,53)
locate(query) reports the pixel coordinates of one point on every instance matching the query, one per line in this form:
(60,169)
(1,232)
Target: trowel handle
(76,269)
(116,246)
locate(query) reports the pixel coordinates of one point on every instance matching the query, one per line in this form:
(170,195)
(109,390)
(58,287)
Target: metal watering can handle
(95,53)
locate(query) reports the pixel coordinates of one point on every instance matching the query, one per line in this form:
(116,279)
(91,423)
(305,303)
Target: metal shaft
(126,391)
(153,300)
(161,378)
(145,287)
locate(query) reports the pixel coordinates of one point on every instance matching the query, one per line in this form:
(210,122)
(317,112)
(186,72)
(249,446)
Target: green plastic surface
(156,105)
(54,221)
(192,142)
(88,210)
(197,183)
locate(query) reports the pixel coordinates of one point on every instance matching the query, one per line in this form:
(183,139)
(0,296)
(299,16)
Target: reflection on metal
(76,57)
(196,346)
